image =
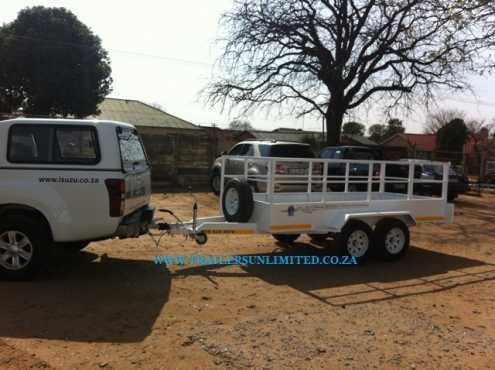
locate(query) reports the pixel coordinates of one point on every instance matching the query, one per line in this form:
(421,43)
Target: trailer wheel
(286,238)
(237,201)
(391,239)
(355,240)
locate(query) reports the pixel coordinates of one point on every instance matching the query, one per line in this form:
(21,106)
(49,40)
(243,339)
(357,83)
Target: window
(250,151)
(76,145)
(291,151)
(328,153)
(30,144)
(240,149)
(131,150)
(50,144)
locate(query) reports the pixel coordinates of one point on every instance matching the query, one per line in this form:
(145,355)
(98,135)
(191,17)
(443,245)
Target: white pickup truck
(68,182)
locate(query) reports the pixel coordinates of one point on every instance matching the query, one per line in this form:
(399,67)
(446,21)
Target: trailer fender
(373,218)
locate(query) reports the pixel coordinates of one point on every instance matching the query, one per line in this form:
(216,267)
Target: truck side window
(76,145)
(29,144)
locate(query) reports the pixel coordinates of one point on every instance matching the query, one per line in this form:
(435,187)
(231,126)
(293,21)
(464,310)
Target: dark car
(360,171)
(458,184)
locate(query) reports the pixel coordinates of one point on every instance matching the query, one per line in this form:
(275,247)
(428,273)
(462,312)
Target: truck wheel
(237,201)
(22,241)
(355,240)
(286,238)
(215,180)
(391,239)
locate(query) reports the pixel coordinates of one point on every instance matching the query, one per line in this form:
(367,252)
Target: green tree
(453,136)
(377,132)
(52,64)
(438,119)
(394,126)
(353,128)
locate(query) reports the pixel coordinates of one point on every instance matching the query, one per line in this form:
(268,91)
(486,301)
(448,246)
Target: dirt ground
(111,307)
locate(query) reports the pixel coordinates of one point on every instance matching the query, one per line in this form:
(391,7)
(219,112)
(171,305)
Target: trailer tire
(391,238)
(356,240)
(286,238)
(237,201)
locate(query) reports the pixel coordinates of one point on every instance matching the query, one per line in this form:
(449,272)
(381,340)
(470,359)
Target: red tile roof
(423,142)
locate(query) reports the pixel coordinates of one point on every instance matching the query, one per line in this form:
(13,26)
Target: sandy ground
(111,307)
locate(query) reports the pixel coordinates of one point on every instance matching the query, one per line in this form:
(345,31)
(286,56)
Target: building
(179,151)
(410,146)
(140,114)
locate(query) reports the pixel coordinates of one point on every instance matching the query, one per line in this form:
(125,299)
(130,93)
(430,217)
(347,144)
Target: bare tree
(327,57)
(241,125)
(438,119)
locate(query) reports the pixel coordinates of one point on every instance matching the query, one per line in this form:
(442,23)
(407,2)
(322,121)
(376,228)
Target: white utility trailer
(366,205)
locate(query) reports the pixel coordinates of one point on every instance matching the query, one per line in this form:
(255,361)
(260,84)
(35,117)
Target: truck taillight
(116,195)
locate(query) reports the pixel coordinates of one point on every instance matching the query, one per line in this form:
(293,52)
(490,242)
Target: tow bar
(167,229)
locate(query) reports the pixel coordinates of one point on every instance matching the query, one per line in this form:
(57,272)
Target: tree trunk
(334,118)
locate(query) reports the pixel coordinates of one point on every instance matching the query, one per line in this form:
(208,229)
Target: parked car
(68,182)
(458,183)
(360,171)
(264,149)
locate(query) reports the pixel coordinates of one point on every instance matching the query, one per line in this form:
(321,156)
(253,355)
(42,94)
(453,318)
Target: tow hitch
(168,229)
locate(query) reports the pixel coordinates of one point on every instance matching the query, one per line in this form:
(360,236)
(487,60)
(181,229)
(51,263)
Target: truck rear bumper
(136,224)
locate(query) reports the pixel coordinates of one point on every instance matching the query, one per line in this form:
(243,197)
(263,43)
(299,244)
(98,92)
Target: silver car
(264,149)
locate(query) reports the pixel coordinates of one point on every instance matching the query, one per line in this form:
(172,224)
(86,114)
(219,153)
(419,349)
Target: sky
(163,52)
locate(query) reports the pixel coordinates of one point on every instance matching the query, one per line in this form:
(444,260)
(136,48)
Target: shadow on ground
(421,271)
(86,298)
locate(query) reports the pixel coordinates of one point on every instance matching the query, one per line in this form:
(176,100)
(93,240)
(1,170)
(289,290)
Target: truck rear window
(286,151)
(131,150)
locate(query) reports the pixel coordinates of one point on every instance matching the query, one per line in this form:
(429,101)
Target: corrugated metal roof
(139,114)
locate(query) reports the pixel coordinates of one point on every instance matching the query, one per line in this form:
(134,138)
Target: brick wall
(179,157)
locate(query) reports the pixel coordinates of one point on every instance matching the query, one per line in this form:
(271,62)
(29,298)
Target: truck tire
(286,238)
(215,182)
(237,201)
(22,245)
(391,238)
(355,240)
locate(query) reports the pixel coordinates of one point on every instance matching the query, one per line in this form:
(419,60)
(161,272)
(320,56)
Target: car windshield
(286,151)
